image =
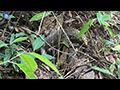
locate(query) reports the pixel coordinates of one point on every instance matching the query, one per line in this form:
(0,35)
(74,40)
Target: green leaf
(107,50)
(117,47)
(29,62)
(20,34)
(118,61)
(112,33)
(39,16)
(102,70)
(46,61)
(49,57)
(38,43)
(2,44)
(64,42)
(27,71)
(118,72)
(19,39)
(86,27)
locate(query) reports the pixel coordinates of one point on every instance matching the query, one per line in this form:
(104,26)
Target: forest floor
(87,55)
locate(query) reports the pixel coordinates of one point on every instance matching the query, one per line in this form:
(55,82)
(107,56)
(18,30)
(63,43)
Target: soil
(87,55)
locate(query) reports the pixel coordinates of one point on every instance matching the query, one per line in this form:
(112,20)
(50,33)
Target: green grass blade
(102,70)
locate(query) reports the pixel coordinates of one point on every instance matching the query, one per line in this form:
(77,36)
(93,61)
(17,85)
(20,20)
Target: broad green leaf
(112,33)
(107,50)
(12,38)
(46,61)
(118,61)
(118,72)
(64,42)
(49,57)
(7,57)
(39,16)
(86,27)
(116,47)
(2,44)
(102,70)
(29,62)
(38,43)
(27,71)
(112,67)
(20,34)
(19,39)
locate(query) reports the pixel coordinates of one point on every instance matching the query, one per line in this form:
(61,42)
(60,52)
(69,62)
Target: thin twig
(41,22)
(64,32)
